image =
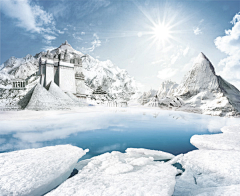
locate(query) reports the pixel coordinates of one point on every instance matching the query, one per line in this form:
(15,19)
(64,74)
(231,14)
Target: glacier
(37,171)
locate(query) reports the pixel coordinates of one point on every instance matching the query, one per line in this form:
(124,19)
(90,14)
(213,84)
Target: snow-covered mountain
(166,88)
(114,80)
(205,92)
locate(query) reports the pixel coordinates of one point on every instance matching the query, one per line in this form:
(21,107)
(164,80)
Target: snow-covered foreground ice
(36,171)
(208,169)
(228,140)
(214,169)
(118,173)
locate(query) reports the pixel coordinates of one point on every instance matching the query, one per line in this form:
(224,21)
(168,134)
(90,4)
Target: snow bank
(231,129)
(37,171)
(228,140)
(223,141)
(120,174)
(141,152)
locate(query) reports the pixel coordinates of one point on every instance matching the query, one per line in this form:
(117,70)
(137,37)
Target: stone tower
(79,78)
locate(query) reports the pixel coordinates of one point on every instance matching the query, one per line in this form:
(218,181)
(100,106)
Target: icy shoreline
(213,169)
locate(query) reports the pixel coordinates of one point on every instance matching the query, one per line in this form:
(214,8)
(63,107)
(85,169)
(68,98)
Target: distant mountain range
(201,91)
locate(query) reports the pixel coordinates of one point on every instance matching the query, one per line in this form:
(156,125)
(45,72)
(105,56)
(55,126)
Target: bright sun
(161,32)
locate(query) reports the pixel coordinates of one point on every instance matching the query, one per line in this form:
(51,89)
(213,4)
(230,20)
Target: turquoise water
(111,130)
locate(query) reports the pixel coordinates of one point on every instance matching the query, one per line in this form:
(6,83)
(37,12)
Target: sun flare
(161,32)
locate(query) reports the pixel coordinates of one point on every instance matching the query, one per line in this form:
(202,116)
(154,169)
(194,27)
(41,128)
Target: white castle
(65,72)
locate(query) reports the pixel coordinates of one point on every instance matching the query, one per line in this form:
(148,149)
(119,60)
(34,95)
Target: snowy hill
(114,80)
(167,88)
(205,92)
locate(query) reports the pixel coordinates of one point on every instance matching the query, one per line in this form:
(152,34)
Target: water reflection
(110,130)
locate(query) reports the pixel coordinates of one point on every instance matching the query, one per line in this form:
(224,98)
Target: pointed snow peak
(201,57)
(203,63)
(201,78)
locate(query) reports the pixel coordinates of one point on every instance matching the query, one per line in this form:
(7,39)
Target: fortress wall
(67,77)
(49,73)
(56,75)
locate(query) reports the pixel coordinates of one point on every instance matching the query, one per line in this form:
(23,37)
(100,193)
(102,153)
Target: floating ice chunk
(37,171)
(223,141)
(141,152)
(118,173)
(207,169)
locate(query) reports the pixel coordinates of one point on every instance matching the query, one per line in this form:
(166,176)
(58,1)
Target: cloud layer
(229,44)
(31,17)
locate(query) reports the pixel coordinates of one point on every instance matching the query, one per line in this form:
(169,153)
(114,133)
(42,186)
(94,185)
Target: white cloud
(82,33)
(197,31)
(48,38)
(167,73)
(229,44)
(174,58)
(31,17)
(22,11)
(95,43)
(157,62)
(75,36)
(46,48)
(185,51)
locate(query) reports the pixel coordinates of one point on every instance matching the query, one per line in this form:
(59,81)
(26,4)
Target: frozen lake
(106,129)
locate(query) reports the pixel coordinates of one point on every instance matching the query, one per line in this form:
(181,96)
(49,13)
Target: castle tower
(79,78)
(66,74)
(63,69)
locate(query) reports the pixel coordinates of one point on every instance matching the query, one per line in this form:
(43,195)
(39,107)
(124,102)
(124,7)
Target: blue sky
(124,32)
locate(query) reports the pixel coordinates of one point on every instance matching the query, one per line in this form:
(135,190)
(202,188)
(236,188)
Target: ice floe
(228,140)
(37,171)
(223,141)
(118,173)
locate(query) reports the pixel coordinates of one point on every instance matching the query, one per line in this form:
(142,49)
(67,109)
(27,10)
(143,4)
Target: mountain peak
(66,43)
(66,46)
(201,78)
(203,63)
